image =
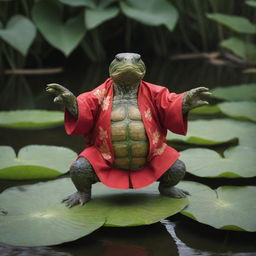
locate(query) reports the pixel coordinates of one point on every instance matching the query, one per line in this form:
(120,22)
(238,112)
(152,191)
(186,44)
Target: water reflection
(29,91)
(6,250)
(16,92)
(152,240)
(54,136)
(193,238)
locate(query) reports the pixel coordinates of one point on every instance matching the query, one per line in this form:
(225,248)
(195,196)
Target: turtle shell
(129,138)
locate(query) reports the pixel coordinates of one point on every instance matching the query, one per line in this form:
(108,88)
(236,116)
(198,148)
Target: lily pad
(206,110)
(32,215)
(20,32)
(243,110)
(152,12)
(228,207)
(217,131)
(244,92)
(237,162)
(30,119)
(64,36)
(35,162)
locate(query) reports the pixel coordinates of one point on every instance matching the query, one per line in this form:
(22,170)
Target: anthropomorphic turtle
(125,122)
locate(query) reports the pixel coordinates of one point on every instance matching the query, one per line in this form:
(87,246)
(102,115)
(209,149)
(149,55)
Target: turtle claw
(173,192)
(201,103)
(50,90)
(76,198)
(185,192)
(58,100)
(207,94)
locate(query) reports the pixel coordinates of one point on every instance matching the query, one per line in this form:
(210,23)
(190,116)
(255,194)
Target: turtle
(128,135)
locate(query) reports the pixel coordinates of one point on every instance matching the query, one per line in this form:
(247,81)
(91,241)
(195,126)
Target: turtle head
(127,69)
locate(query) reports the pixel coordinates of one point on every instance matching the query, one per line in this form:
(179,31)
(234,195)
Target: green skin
(126,70)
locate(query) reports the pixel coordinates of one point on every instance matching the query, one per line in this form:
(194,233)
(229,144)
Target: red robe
(160,111)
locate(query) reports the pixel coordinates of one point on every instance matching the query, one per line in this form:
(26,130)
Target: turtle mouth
(128,72)
(127,68)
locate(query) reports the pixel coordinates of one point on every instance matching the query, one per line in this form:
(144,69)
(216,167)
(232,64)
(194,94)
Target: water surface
(177,235)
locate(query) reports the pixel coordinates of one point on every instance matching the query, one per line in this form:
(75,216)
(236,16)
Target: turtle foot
(173,192)
(77,198)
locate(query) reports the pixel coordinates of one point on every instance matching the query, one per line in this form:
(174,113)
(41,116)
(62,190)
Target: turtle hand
(59,91)
(194,98)
(64,97)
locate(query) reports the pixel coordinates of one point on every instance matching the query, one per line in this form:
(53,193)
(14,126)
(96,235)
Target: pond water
(176,235)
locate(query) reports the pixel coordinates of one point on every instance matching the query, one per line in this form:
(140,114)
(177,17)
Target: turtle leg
(83,176)
(171,178)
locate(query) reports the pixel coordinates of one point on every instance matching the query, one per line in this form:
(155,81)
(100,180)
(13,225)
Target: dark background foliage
(46,32)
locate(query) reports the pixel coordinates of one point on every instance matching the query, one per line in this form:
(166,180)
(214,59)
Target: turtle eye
(137,57)
(118,57)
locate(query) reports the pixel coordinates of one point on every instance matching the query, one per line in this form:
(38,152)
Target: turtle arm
(87,109)
(64,97)
(72,106)
(193,99)
(169,109)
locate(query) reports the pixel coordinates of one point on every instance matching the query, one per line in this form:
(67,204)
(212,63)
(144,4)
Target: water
(177,235)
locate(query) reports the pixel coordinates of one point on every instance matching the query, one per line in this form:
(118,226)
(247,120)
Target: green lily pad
(217,131)
(243,110)
(228,207)
(30,119)
(35,162)
(32,215)
(244,92)
(237,162)
(135,207)
(20,32)
(66,36)
(153,13)
(206,110)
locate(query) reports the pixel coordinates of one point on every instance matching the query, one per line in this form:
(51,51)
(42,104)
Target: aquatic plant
(39,27)
(34,162)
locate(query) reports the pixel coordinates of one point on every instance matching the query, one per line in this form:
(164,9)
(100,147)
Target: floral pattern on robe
(148,114)
(155,136)
(161,111)
(104,148)
(159,151)
(100,94)
(105,103)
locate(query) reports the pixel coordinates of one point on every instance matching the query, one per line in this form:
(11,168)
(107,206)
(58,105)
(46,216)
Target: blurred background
(50,33)
(72,42)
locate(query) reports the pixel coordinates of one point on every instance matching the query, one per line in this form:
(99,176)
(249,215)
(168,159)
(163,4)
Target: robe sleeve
(169,106)
(87,109)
